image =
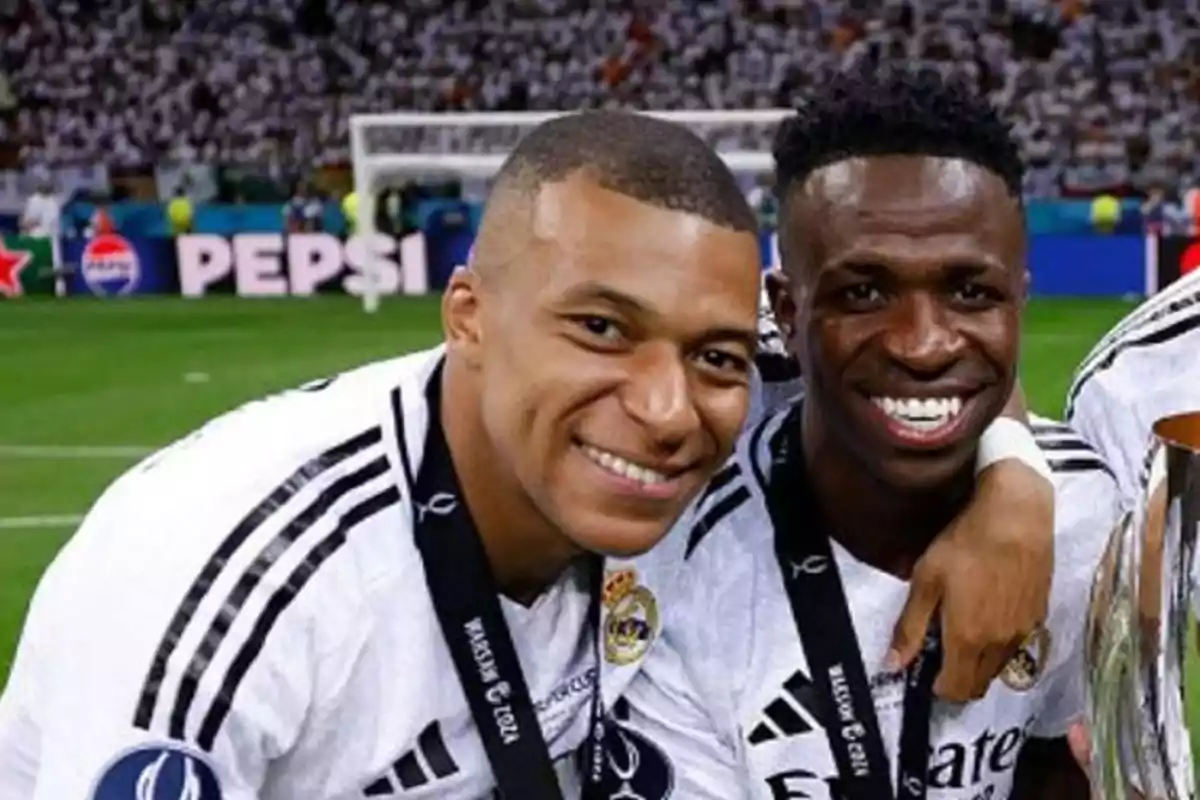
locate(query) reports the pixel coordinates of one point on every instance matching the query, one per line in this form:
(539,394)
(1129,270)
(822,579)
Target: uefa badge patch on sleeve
(158,772)
(632,617)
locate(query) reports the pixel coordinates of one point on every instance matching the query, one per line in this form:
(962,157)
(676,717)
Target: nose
(921,337)
(658,395)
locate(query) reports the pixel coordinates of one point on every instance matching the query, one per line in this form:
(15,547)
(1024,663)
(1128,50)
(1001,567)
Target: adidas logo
(429,761)
(782,717)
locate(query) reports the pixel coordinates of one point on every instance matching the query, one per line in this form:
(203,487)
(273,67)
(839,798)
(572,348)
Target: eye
(977,295)
(862,297)
(600,328)
(724,361)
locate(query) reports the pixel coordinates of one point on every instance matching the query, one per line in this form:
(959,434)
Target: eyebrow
(592,291)
(874,265)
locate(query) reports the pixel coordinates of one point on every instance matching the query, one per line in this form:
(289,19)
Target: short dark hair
(643,157)
(875,110)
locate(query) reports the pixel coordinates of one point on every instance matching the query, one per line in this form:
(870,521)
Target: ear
(1025,280)
(461,316)
(783,305)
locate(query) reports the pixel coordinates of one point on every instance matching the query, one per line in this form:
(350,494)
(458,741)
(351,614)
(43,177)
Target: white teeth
(623,467)
(924,414)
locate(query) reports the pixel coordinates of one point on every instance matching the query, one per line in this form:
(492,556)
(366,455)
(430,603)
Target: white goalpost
(387,149)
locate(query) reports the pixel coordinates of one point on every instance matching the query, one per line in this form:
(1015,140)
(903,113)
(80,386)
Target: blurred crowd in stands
(1105,95)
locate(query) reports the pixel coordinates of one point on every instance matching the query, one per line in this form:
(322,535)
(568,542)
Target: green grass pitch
(126,375)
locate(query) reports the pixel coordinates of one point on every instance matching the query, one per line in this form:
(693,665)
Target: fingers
(955,683)
(1080,741)
(909,634)
(991,664)
(970,662)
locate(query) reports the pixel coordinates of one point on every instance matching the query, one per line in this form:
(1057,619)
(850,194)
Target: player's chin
(919,471)
(620,526)
(618,537)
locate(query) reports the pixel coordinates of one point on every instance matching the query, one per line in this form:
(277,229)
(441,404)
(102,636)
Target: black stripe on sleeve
(1176,301)
(216,564)
(1060,441)
(1161,336)
(1080,463)
(252,577)
(719,481)
(760,474)
(279,602)
(401,437)
(1040,429)
(1063,444)
(719,511)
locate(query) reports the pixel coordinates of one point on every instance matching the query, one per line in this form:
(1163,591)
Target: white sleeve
(1112,424)
(1088,506)
(94,705)
(19,739)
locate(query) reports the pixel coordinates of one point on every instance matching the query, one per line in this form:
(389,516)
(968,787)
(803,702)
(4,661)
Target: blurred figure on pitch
(304,212)
(1164,215)
(101,221)
(42,217)
(43,210)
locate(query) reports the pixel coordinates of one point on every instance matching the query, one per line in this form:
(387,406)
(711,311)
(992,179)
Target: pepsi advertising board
(112,265)
(300,264)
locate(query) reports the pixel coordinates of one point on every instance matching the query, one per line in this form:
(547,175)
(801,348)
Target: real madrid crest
(632,621)
(1021,673)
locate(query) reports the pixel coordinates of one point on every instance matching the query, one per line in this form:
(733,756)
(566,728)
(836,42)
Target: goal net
(389,151)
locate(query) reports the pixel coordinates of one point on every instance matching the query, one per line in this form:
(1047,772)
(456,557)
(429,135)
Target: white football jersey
(246,615)
(1146,368)
(724,705)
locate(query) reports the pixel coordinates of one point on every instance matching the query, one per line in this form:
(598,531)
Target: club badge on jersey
(631,621)
(158,772)
(1023,670)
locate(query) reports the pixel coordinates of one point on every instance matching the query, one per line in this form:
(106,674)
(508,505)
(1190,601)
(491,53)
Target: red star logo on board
(11,264)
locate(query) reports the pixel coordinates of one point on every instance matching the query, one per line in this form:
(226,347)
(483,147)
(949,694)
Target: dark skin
(1006,530)
(904,277)
(590,321)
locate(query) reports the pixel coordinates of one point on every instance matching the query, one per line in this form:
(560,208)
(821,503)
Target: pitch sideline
(40,521)
(71,452)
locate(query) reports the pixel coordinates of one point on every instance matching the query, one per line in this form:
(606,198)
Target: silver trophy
(1138,637)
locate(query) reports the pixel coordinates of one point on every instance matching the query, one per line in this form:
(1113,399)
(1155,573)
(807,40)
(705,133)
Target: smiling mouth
(922,414)
(925,423)
(623,467)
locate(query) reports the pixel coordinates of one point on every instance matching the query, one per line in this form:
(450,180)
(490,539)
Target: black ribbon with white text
(822,616)
(467,603)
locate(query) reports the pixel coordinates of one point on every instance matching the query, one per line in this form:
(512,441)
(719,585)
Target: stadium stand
(1103,97)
